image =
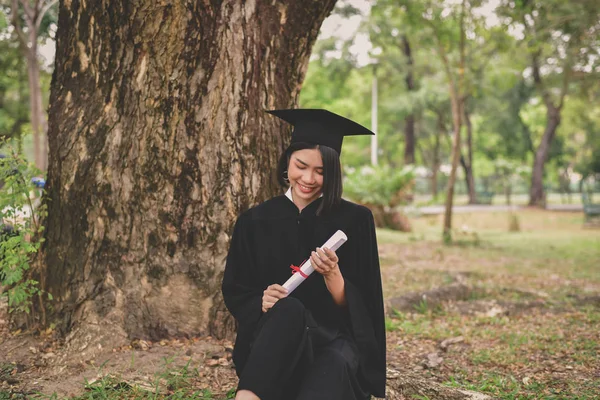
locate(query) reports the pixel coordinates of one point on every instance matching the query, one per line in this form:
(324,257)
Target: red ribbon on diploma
(297,269)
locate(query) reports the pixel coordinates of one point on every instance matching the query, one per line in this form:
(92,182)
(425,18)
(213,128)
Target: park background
(483,179)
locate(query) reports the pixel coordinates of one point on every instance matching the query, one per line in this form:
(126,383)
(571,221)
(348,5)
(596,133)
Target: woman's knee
(336,360)
(289,305)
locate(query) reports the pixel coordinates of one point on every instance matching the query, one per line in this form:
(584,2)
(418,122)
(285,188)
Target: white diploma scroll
(334,243)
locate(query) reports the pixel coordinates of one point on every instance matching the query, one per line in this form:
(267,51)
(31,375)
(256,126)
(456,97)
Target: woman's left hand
(325,262)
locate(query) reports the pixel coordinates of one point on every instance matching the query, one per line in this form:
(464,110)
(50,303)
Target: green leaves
(20,237)
(379,185)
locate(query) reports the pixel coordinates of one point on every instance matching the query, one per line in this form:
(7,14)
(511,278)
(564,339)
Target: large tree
(158,140)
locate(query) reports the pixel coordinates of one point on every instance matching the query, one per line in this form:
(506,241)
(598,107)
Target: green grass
(549,351)
(500,199)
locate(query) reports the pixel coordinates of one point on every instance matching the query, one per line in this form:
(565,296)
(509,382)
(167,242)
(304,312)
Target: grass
(547,351)
(172,382)
(500,199)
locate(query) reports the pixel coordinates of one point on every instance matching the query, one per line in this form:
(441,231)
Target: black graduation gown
(270,237)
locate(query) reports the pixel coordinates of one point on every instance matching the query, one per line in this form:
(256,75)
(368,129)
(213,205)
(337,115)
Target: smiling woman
(311,171)
(326,339)
(305,173)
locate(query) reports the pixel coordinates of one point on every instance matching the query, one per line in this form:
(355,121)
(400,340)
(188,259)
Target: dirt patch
(142,363)
(430,299)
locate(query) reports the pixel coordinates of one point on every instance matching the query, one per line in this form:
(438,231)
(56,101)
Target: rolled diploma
(334,243)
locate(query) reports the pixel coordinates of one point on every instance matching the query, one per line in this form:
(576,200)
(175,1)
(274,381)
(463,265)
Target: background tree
(562,38)
(158,140)
(448,28)
(13,86)
(390,29)
(506,114)
(30,20)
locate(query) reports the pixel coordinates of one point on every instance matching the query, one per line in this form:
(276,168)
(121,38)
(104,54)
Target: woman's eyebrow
(305,164)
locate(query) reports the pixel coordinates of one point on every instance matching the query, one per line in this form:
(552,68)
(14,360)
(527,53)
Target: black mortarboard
(319,126)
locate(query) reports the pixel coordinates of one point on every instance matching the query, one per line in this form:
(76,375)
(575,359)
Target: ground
(511,314)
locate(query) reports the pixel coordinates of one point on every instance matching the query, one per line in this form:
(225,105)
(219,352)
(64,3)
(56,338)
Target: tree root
(408,385)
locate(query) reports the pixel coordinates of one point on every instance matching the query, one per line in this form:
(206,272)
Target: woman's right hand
(271,295)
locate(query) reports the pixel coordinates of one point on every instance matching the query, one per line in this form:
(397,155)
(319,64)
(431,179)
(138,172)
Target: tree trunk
(456,122)
(158,140)
(457,88)
(435,167)
(466,168)
(537,196)
(409,121)
(405,384)
(35,96)
(42,126)
(468,163)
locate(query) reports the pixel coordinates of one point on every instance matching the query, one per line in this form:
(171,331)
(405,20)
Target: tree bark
(468,162)
(33,75)
(456,122)
(158,140)
(537,196)
(38,121)
(409,121)
(435,167)
(507,193)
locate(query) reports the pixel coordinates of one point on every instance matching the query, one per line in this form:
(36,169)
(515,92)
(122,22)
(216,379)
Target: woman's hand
(271,295)
(325,262)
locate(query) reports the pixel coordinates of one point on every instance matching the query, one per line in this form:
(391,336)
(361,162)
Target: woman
(326,339)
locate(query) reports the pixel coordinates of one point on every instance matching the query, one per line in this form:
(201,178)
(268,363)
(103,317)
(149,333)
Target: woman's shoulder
(359,210)
(269,209)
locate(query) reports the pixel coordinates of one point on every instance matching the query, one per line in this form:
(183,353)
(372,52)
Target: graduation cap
(318,126)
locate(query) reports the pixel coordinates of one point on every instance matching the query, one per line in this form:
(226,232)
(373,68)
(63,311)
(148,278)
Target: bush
(379,185)
(382,188)
(20,233)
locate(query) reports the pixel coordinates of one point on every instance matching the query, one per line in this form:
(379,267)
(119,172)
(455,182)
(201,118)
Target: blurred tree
(562,41)
(506,114)
(13,94)
(31,20)
(158,140)
(581,133)
(447,25)
(390,30)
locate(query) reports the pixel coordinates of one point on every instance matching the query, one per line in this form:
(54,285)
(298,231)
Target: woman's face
(305,172)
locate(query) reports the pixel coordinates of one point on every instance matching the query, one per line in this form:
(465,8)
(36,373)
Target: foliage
(14,111)
(20,240)
(509,174)
(506,108)
(14,85)
(379,185)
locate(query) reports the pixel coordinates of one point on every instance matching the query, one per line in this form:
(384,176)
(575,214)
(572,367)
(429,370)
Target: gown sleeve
(365,307)
(242,294)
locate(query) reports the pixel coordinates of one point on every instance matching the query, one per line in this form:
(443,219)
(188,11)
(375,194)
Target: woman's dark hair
(332,173)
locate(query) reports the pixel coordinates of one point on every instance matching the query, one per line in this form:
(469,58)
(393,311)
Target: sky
(348,28)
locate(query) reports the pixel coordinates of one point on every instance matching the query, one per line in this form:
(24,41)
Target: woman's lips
(305,189)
